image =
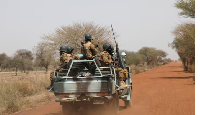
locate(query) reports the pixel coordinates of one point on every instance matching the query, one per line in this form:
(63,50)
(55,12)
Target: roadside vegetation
(27,90)
(184,41)
(145,59)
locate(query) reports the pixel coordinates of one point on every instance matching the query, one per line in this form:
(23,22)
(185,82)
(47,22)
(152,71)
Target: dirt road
(165,90)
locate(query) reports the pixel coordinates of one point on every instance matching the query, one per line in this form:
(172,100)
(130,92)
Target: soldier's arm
(75,57)
(101,56)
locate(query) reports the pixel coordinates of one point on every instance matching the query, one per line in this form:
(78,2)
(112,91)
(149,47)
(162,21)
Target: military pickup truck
(76,88)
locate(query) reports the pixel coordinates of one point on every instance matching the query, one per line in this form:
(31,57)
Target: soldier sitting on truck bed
(66,53)
(106,59)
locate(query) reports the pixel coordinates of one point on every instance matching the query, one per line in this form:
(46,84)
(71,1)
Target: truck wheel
(68,109)
(114,106)
(128,103)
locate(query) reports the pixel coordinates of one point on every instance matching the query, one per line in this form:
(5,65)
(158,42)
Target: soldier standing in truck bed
(89,51)
(66,53)
(89,47)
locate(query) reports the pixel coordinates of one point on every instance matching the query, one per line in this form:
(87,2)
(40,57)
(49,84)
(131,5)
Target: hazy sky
(139,22)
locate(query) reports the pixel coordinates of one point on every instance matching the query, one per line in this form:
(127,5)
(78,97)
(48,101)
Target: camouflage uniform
(90,48)
(65,55)
(105,59)
(64,58)
(121,73)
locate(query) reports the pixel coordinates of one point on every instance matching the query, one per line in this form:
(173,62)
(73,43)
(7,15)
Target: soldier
(122,76)
(89,47)
(66,53)
(107,58)
(89,51)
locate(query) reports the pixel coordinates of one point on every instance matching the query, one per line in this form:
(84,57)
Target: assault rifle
(117,52)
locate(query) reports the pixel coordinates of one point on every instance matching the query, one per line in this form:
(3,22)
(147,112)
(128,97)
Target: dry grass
(141,68)
(23,91)
(135,69)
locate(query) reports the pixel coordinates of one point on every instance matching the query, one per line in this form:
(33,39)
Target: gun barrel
(117,51)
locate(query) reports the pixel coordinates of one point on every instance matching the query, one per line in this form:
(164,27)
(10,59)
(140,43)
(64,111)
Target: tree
(134,58)
(44,56)
(187,7)
(3,56)
(167,60)
(184,41)
(160,55)
(13,63)
(26,56)
(73,35)
(151,55)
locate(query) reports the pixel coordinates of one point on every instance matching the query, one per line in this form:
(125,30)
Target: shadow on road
(175,66)
(189,77)
(191,84)
(88,112)
(181,71)
(121,108)
(175,77)
(55,113)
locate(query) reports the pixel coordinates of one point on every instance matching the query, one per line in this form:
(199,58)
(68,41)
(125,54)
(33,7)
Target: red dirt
(165,90)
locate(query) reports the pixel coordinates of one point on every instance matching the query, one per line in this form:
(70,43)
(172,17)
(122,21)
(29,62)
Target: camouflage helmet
(88,37)
(63,48)
(69,49)
(107,46)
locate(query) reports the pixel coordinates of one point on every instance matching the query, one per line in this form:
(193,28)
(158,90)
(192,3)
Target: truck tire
(114,105)
(68,109)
